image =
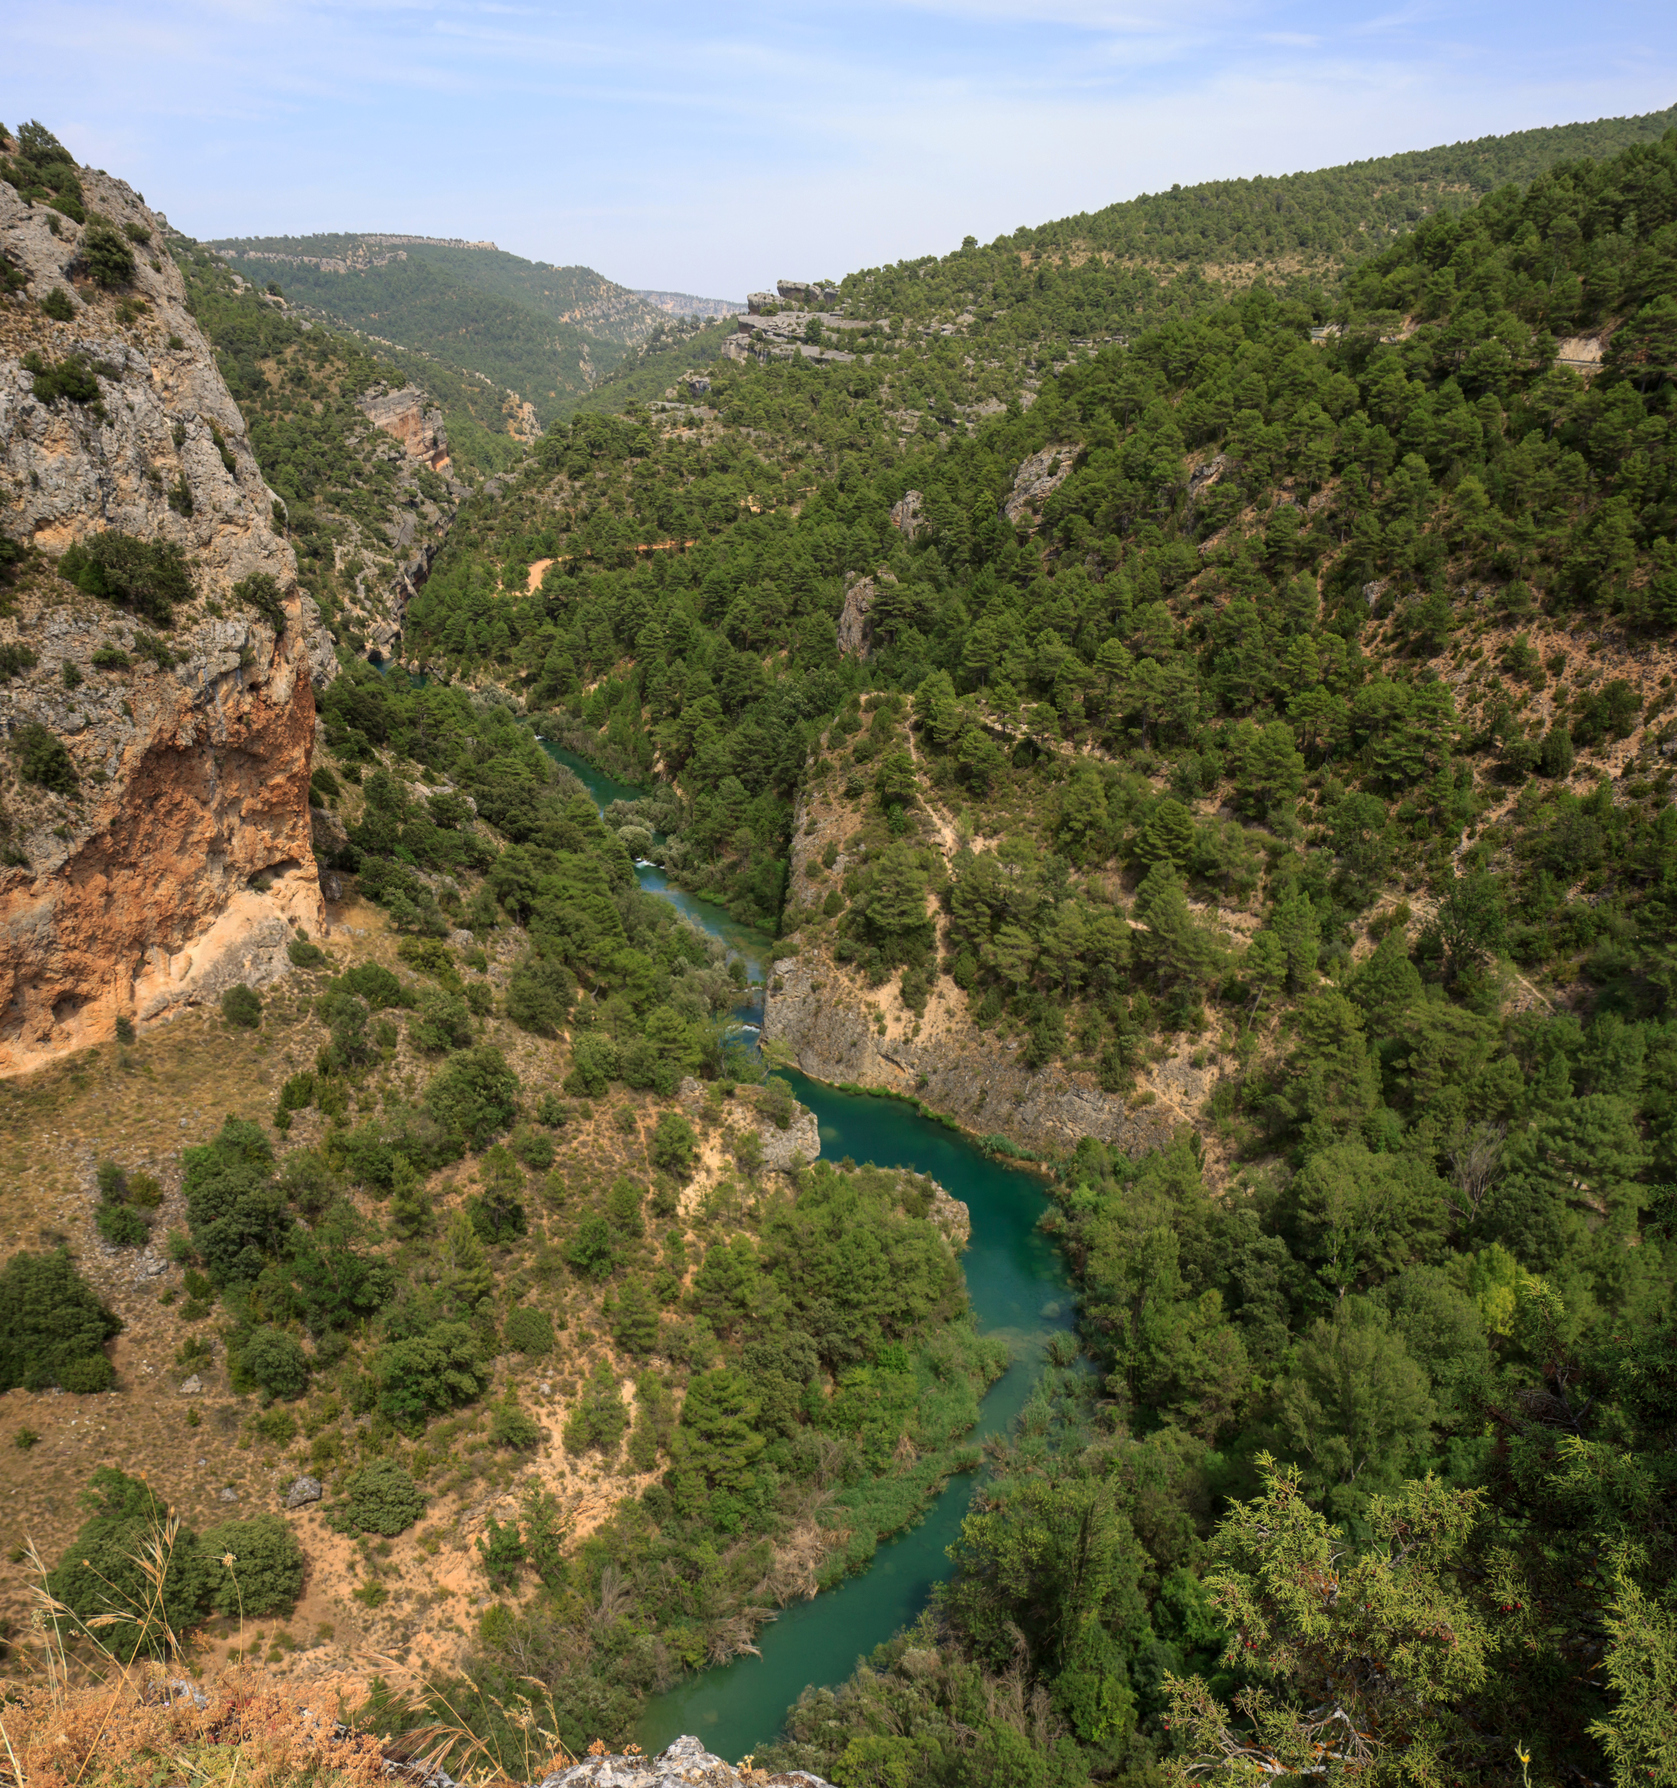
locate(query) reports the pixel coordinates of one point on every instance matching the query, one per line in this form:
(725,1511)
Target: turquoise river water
(1019,1291)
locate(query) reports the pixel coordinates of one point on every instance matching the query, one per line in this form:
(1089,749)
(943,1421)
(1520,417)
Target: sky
(713,148)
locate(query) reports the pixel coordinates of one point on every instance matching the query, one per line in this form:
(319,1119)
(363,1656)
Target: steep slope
(157,832)
(547,332)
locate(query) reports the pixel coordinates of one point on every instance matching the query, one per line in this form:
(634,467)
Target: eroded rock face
(412,418)
(1036,480)
(181,860)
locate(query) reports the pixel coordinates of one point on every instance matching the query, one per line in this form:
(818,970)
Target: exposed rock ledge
(811,1006)
(686,1764)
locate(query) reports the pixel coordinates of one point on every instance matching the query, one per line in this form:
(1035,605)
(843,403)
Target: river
(1018,1288)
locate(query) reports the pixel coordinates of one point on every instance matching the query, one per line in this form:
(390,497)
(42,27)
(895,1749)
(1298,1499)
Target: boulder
(686,1764)
(303,1490)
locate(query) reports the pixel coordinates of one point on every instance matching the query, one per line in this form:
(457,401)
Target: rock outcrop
(791,1148)
(824,1020)
(686,1764)
(1036,480)
(855,623)
(167,853)
(412,418)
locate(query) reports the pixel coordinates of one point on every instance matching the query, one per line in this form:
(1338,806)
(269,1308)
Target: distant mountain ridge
(549,333)
(685,304)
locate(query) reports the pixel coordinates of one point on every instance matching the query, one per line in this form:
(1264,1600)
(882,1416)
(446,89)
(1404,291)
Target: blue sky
(714,147)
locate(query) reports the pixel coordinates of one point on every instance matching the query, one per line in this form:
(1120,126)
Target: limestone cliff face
(840,1029)
(179,859)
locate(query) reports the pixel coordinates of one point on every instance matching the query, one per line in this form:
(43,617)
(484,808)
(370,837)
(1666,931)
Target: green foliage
(475,1096)
(43,760)
(273,1361)
(380,1498)
(15,659)
(266,1572)
(108,256)
(242,1006)
(599,1419)
(59,305)
(529,1331)
(50,1323)
(674,1146)
(148,576)
(429,1373)
(103,1573)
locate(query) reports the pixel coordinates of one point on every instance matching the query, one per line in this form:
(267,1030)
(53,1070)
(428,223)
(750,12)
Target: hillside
(1263,729)
(549,333)
(1206,736)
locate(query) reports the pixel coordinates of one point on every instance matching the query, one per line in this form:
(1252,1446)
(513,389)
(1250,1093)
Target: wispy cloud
(709,149)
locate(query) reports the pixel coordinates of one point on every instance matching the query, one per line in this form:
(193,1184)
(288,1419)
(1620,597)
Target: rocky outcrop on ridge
(169,856)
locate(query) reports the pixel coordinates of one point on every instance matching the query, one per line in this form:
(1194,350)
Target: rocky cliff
(686,1764)
(838,1028)
(155,793)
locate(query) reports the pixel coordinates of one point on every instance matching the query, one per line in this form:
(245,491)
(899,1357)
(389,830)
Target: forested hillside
(1286,687)
(547,332)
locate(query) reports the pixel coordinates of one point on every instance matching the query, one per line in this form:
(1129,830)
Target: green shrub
(480,997)
(59,305)
(148,576)
(528,1331)
(380,1498)
(374,983)
(108,256)
(305,955)
(258,591)
(72,378)
(475,1097)
(553,1111)
(513,1427)
(598,1421)
(674,1146)
(122,1226)
(277,1426)
(298,1092)
(124,1028)
(427,1374)
(43,760)
(101,1572)
(112,658)
(592,1252)
(266,1575)
(15,658)
(539,994)
(242,1006)
(274,1361)
(535,1150)
(88,1376)
(50,1320)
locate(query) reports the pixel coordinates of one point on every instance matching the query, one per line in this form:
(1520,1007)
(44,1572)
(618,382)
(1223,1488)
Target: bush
(148,576)
(88,1376)
(108,256)
(50,1322)
(674,1146)
(429,1373)
(242,1006)
(43,760)
(15,658)
(553,1111)
(72,378)
(475,1097)
(260,592)
(529,1331)
(510,1426)
(59,305)
(273,1360)
(539,995)
(305,955)
(266,1575)
(121,1226)
(374,983)
(535,1150)
(101,1572)
(379,1498)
